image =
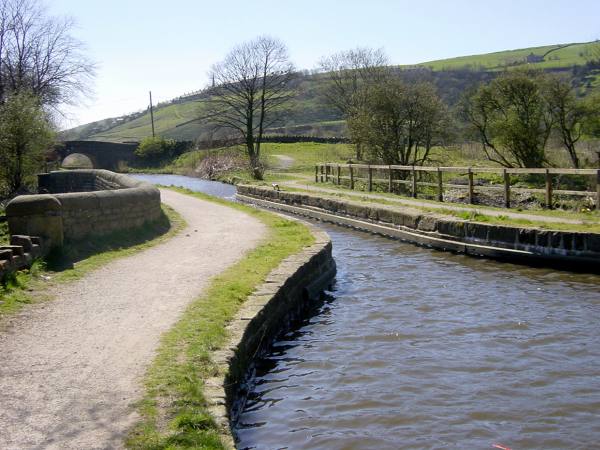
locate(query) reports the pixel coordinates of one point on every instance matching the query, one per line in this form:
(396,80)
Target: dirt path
(416,203)
(284,161)
(71,368)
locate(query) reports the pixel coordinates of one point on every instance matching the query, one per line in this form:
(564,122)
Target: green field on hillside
(310,115)
(556,56)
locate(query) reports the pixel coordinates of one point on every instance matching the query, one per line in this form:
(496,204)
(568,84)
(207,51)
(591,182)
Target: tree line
(394,121)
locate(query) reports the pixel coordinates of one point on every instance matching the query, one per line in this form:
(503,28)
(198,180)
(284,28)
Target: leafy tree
(511,118)
(399,123)
(25,134)
(251,85)
(156,149)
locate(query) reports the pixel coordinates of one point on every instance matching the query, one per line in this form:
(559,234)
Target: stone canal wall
(78,204)
(287,293)
(527,245)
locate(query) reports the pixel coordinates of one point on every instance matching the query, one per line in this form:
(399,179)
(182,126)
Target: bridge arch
(78,161)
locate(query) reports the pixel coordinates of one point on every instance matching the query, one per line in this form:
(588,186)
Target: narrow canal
(415,348)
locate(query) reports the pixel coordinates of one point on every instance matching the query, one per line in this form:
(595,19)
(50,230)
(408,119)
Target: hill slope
(311,115)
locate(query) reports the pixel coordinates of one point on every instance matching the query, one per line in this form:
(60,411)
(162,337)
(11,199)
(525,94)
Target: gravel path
(70,369)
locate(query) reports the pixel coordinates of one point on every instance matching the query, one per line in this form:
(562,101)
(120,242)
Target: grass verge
(174,411)
(76,260)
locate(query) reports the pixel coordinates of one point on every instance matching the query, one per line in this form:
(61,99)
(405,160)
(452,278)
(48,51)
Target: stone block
(6,254)
(23,241)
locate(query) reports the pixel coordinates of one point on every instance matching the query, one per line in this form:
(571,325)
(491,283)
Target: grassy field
(174,411)
(556,56)
(73,262)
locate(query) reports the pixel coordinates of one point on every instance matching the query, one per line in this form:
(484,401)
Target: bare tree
(347,73)
(251,86)
(39,55)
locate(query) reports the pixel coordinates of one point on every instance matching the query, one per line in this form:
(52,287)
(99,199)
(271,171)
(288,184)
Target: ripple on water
(422,349)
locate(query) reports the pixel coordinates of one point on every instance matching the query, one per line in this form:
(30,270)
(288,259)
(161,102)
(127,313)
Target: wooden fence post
(506,188)
(548,189)
(370,179)
(440,181)
(338,174)
(322,170)
(471,190)
(327,171)
(317,173)
(390,180)
(351,177)
(414,182)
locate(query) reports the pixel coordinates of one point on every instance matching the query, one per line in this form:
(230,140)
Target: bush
(156,149)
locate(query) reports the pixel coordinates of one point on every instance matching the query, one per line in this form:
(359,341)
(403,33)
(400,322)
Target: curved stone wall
(77,204)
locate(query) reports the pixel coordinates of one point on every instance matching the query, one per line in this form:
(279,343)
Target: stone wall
(82,203)
(442,232)
(287,293)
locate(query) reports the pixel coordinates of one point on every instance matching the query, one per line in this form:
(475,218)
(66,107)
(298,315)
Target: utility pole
(151,114)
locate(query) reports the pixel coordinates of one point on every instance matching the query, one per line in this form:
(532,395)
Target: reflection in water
(422,349)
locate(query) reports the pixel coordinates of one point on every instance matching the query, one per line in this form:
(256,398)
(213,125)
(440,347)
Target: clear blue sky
(169,46)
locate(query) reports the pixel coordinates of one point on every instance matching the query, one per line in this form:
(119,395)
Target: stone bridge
(96,154)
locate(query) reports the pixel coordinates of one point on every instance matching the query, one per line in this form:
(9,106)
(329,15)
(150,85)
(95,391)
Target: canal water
(419,349)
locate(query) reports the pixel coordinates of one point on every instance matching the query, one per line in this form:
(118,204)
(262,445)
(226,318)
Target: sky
(168,46)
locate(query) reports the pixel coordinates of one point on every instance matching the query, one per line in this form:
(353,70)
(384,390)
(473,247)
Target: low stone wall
(442,232)
(81,203)
(288,292)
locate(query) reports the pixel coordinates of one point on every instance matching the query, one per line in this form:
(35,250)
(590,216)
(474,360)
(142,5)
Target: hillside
(311,116)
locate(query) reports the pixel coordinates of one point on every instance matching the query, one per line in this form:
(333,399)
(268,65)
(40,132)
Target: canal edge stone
(564,249)
(286,294)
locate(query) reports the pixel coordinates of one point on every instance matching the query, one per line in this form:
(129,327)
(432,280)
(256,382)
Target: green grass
(174,410)
(477,216)
(77,259)
(574,54)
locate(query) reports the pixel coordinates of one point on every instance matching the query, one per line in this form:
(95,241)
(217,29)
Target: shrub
(156,149)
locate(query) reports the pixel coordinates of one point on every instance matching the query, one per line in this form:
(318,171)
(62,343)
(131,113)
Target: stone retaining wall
(287,293)
(443,232)
(83,203)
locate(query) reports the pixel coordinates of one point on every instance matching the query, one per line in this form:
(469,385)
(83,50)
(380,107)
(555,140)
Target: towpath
(482,209)
(71,369)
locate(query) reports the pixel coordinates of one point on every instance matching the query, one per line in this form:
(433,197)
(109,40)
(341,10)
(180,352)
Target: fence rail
(325,172)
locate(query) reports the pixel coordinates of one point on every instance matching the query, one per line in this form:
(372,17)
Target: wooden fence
(411,177)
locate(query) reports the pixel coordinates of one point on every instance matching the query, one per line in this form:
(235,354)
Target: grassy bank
(174,411)
(76,260)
